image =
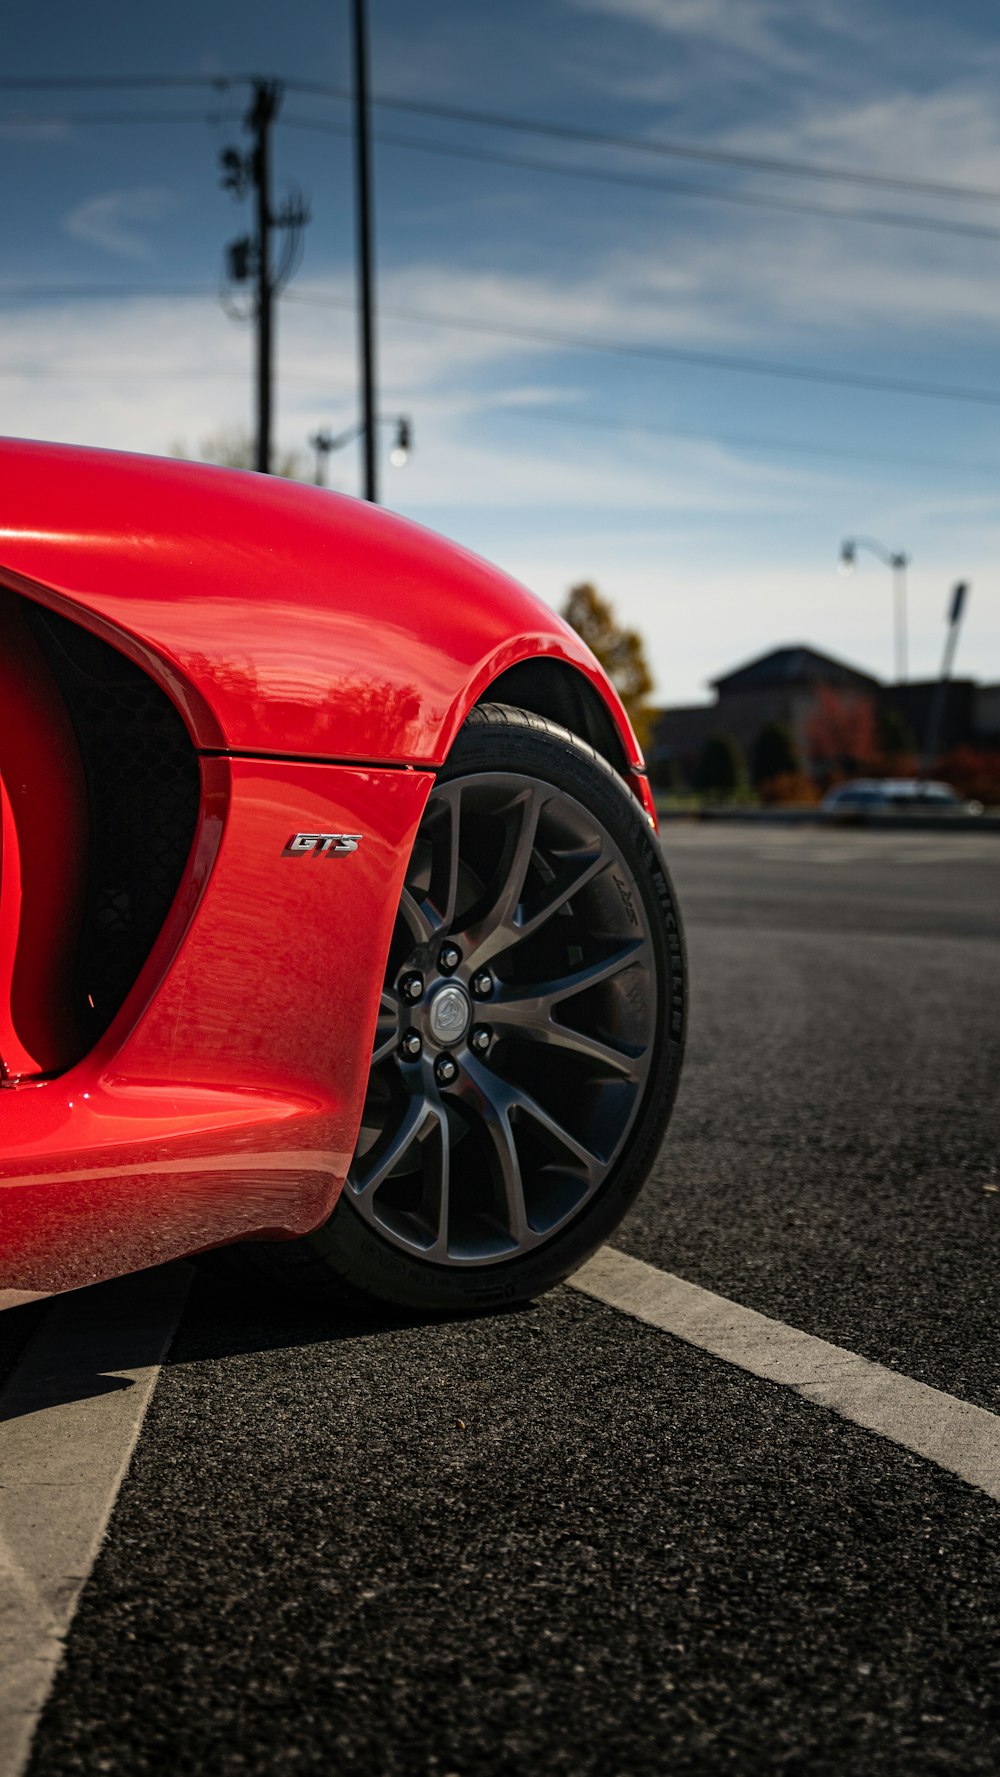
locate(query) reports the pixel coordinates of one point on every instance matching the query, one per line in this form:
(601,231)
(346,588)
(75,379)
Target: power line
(673,354)
(550,336)
(49,120)
(752,440)
(660,146)
(33,83)
(491,157)
(132,372)
(636,181)
(45,292)
(568,421)
(529,126)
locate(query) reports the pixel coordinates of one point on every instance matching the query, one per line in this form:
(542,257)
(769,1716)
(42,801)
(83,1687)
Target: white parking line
(69,1418)
(956,1436)
(71,1413)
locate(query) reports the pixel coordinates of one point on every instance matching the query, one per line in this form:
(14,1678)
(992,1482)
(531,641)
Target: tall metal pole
(935,717)
(898,562)
(899,578)
(265,106)
(366,266)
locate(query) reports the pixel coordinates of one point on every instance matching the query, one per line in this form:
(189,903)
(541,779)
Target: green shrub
(775,753)
(722,769)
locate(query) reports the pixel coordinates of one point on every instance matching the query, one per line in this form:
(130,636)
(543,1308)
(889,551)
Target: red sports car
(332,914)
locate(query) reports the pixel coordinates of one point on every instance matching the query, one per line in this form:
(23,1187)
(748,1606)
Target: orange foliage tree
(974,771)
(840,733)
(620,651)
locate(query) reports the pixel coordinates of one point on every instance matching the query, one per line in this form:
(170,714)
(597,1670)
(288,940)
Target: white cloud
(744,27)
(699,544)
(113,220)
(949,134)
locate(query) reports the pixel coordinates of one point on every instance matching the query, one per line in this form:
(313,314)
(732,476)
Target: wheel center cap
(449,1013)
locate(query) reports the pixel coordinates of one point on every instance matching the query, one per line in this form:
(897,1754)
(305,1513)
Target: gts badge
(321,845)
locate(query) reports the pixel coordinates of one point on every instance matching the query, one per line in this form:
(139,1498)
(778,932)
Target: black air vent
(143,787)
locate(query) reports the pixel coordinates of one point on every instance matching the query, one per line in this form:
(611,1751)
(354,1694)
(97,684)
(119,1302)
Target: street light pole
(898,562)
(899,602)
(325,441)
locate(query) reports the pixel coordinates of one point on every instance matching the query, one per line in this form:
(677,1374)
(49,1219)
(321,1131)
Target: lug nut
(411,1045)
(412,987)
(445,1070)
(449,958)
(482,984)
(481,1038)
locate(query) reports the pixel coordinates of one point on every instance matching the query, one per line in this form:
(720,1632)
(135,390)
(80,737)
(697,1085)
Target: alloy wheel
(516,1027)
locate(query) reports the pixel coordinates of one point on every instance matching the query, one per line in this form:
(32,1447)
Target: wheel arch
(556,690)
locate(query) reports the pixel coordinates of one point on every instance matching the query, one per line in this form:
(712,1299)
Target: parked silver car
(896,795)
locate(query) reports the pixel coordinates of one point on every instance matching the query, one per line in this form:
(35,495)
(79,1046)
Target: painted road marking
(958,1437)
(70,1415)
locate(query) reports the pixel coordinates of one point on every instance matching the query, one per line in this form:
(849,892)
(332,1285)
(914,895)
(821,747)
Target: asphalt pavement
(565,1541)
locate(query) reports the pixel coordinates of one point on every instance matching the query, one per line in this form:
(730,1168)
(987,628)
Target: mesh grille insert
(143,788)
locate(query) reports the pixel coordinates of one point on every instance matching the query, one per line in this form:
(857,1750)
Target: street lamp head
(401,449)
(847,557)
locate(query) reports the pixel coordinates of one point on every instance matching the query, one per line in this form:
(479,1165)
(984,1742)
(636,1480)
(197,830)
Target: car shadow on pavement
(225,1316)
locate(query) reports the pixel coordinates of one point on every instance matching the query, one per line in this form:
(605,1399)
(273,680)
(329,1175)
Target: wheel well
(553,689)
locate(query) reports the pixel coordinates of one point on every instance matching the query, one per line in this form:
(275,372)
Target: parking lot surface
(564,1540)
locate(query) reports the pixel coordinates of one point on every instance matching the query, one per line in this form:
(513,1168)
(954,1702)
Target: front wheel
(530,1034)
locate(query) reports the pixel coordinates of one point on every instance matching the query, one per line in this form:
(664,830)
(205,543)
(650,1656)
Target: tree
(722,768)
(775,753)
(974,771)
(233,448)
(895,737)
(841,731)
(621,652)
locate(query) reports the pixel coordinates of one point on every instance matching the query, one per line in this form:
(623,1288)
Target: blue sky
(708,503)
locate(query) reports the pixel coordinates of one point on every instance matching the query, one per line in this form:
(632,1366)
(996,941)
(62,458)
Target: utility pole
(266,99)
(366,253)
(249,258)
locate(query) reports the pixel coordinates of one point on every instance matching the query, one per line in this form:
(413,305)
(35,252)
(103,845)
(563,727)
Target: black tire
(512,780)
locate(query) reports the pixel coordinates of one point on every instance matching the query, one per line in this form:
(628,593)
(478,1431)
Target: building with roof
(783,685)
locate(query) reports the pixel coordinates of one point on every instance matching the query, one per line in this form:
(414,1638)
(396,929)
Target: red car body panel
(282,618)
(323,656)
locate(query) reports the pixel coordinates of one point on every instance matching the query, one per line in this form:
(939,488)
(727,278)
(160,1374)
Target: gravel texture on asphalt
(554,1542)
(563,1542)
(834,1158)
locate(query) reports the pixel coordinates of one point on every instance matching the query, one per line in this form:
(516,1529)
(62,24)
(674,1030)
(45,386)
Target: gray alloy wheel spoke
(409,1131)
(421,918)
(563,892)
(387,1028)
(524,1105)
(425,919)
(499,1104)
(501,1136)
(536,1004)
(451,796)
(442,1168)
(489,1098)
(498,929)
(578,1042)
